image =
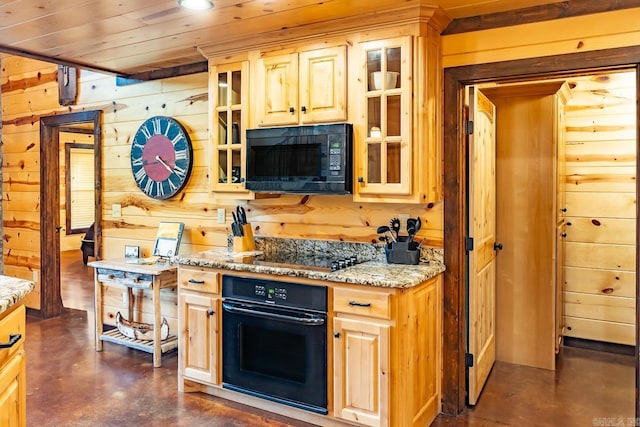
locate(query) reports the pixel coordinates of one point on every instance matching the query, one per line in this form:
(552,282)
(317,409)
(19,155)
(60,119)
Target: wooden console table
(152,277)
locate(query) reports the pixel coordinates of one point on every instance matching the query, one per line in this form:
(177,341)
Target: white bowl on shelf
(376,80)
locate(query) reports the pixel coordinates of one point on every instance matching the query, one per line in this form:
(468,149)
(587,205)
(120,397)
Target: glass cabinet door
(228,94)
(386,167)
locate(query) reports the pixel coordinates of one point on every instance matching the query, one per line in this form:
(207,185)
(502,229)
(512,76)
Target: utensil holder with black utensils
(402,252)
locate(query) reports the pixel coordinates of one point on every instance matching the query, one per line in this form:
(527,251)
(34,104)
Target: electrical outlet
(221,216)
(403,222)
(35,275)
(116,210)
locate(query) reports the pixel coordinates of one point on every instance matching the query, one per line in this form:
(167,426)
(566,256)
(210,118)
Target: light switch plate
(221,216)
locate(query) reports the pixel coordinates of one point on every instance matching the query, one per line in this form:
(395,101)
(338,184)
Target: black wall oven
(274,341)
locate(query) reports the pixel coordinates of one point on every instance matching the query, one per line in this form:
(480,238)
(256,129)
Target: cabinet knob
(360,179)
(336,334)
(563,235)
(303,109)
(497,246)
(210,312)
(292,110)
(563,209)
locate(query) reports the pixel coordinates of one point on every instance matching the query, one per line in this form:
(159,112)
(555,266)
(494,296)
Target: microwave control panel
(335,160)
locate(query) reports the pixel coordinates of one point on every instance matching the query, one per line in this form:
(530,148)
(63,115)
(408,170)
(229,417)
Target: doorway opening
(455,81)
(51,149)
(562,162)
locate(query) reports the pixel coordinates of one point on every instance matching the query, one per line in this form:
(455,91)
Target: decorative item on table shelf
(131,251)
(140,331)
(168,240)
(400,248)
(241,230)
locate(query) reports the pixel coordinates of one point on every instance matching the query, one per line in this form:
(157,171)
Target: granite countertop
(373,273)
(12,290)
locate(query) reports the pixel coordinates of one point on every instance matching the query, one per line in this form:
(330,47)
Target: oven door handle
(233,308)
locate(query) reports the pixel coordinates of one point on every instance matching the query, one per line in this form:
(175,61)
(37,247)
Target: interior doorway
(560,145)
(455,81)
(50,224)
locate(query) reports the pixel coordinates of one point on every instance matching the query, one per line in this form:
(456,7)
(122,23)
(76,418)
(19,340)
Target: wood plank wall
(600,187)
(29,91)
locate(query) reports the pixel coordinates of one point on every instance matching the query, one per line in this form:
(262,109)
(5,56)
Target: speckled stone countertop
(373,273)
(12,290)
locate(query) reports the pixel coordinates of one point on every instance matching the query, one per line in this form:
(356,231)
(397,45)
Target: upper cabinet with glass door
(228,96)
(397,144)
(384,155)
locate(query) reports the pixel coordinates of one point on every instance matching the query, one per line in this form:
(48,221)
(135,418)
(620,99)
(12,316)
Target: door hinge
(468,127)
(468,244)
(468,360)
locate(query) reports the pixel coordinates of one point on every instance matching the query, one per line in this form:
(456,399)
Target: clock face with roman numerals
(161,157)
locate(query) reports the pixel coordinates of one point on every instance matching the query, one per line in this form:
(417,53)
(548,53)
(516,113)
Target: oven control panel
(271,293)
(288,294)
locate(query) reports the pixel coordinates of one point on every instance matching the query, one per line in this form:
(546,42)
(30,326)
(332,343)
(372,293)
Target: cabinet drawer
(363,302)
(12,329)
(199,279)
(125,278)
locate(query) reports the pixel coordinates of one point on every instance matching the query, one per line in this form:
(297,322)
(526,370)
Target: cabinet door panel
(361,368)
(13,392)
(279,78)
(323,85)
(201,343)
(384,160)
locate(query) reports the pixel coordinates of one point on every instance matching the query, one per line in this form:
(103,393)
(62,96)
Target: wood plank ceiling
(133,38)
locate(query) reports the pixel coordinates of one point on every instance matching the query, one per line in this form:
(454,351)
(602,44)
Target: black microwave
(300,159)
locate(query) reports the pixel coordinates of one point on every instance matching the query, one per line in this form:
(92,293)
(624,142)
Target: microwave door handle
(316,321)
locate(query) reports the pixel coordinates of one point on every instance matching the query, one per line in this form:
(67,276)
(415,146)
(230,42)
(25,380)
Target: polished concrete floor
(70,384)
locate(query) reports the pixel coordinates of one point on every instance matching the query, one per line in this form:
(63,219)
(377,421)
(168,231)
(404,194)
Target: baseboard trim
(607,347)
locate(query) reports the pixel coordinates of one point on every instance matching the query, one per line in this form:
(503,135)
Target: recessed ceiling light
(196,4)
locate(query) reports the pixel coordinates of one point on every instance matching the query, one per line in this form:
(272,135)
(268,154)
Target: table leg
(157,324)
(98,309)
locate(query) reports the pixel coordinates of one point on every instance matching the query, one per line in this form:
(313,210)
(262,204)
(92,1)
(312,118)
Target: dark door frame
(50,126)
(455,80)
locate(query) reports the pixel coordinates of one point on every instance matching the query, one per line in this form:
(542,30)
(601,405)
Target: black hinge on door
(468,127)
(468,244)
(468,360)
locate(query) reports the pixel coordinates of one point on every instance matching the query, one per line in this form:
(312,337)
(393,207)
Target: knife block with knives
(242,233)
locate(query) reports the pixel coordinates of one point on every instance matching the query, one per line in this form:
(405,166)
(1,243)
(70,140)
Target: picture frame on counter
(131,251)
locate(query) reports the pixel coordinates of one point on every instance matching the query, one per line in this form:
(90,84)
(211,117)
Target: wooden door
(482,228)
(323,85)
(360,364)
(199,359)
(278,100)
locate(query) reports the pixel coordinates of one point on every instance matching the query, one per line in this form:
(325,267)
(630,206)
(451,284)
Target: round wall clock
(161,157)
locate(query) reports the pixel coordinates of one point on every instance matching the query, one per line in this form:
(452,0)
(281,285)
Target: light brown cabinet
(199,326)
(387,354)
(397,155)
(13,392)
(228,97)
(301,88)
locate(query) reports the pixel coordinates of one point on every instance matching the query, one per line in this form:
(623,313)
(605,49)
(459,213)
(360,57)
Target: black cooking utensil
(242,215)
(395,226)
(384,229)
(236,226)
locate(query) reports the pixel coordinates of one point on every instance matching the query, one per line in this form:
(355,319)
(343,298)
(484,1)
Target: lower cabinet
(387,354)
(384,355)
(13,392)
(199,326)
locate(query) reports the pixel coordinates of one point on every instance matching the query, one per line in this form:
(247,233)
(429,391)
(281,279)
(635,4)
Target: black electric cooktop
(318,262)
